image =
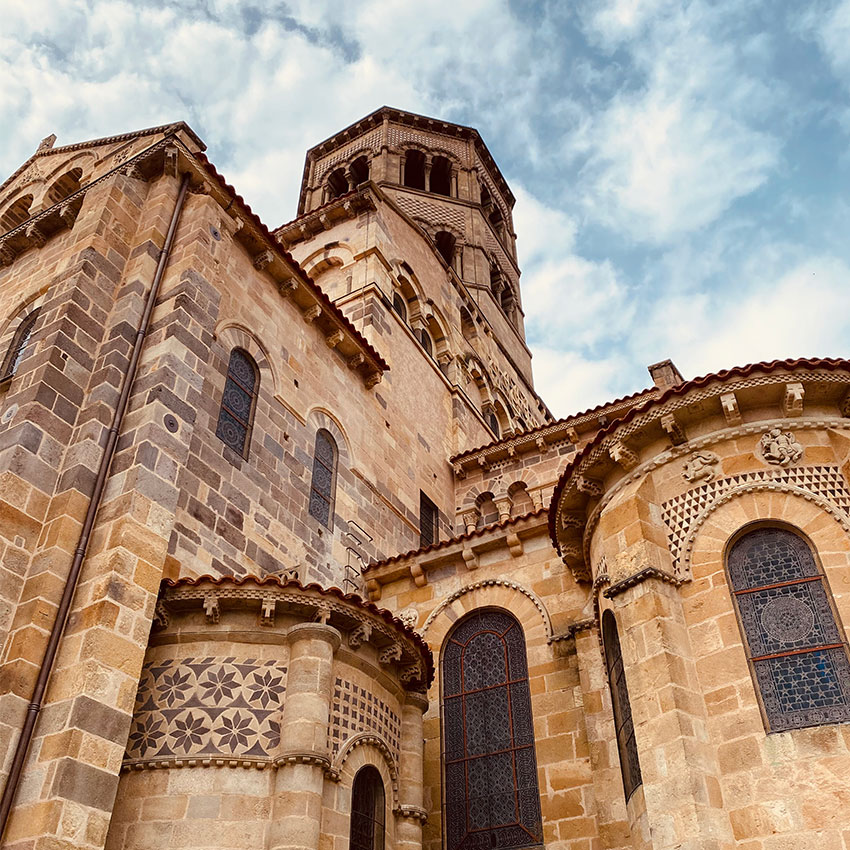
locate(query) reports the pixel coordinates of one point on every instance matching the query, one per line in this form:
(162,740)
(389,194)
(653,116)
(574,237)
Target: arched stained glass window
(324,478)
(367,810)
(236,415)
(492,799)
(625,728)
(399,305)
(796,649)
(18,346)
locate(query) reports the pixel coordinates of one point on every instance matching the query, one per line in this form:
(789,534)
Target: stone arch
(787,504)
(25,306)
(233,335)
(523,603)
(344,163)
(320,417)
(334,252)
(16,213)
(366,748)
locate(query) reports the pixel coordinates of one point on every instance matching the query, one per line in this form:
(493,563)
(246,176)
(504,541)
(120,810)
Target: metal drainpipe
(61,620)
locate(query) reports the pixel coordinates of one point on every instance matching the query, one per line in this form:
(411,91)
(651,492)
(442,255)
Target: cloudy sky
(681,168)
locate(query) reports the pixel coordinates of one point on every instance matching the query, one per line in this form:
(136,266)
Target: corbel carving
(731,411)
(132,170)
(470,559)
(360,635)
(460,472)
(590,486)
(410,673)
(356,361)
(542,446)
(334,339)
(263,260)
(267,611)
(418,575)
(572,435)
(68,212)
(211,609)
(325,221)
(160,614)
(34,234)
(573,519)
(514,544)
(287,287)
(390,654)
(673,429)
(7,255)
(373,379)
(620,453)
(312,313)
(170,165)
(792,402)
(373,588)
(845,402)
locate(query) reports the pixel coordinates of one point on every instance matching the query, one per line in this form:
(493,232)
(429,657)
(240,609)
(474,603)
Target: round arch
(321,417)
(233,335)
(366,749)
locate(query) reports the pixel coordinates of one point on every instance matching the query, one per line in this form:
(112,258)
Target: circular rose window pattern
(787,619)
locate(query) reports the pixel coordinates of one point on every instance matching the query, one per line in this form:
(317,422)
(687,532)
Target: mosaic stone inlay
(356,709)
(679,513)
(207,708)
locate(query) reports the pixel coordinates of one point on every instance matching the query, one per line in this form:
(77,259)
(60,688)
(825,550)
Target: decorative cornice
(637,578)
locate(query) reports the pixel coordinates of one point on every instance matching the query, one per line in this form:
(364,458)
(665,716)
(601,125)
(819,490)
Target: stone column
(410,814)
(427,172)
(297,805)
(503,504)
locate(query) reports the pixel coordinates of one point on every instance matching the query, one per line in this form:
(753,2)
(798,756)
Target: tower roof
(411,119)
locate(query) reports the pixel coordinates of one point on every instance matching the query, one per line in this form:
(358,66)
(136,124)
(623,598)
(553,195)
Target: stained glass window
(324,477)
(625,728)
(236,415)
(367,810)
(492,799)
(18,346)
(796,648)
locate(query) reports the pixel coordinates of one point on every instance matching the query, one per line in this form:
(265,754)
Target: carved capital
(359,635)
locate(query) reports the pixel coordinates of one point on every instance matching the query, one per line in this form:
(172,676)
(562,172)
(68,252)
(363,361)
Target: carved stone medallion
(409,616)
(701,467)
(780,448)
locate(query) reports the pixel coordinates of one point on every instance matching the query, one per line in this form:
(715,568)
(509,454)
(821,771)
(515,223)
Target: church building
(294,557)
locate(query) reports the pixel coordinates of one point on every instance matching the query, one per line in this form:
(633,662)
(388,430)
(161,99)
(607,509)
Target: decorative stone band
(303,758)
(638,577)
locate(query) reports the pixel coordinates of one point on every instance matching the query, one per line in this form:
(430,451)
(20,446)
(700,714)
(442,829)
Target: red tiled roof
(442,544)
(350,598)
(327,305)
(831,364)
(531,431)
(318,209)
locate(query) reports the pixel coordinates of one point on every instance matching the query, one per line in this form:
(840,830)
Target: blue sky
(681,169)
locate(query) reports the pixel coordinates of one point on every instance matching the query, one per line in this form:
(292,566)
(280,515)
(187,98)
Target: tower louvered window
(367,810)
(625,728)
(492,798)
(18,346)
(324,478)
(796,648)
(236,416)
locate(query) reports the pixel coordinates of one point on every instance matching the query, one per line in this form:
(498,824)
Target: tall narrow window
(429,531)
(324,478)
(18,346)
(399,305)
(492,799)
(367,810)
(236,415)
(425,341)
(445,243)
(625,728)
(360,170)
(796,649)
(414,169)
(441,176)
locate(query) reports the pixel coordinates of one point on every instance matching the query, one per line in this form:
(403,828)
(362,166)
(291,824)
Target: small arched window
(486,200)
(399,305)
(625,728)
(492,421)
(323,484)
(796,648)
(492,798)
(414,169)
(18,346)
(337,184)
(236,415)
(425,341)
(17,214)
(66,185)
(445,243)
(367,810)
(441,176)
(360,170)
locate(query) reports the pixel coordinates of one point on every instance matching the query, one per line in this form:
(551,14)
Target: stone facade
(225,672)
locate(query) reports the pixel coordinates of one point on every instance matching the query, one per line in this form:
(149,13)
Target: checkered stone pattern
(679,513)
(401,135)
(368,142)
(435,214)
(356,709)
(207,708)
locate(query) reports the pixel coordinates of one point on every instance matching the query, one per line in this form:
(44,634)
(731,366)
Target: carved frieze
(780,448)
(701,466)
